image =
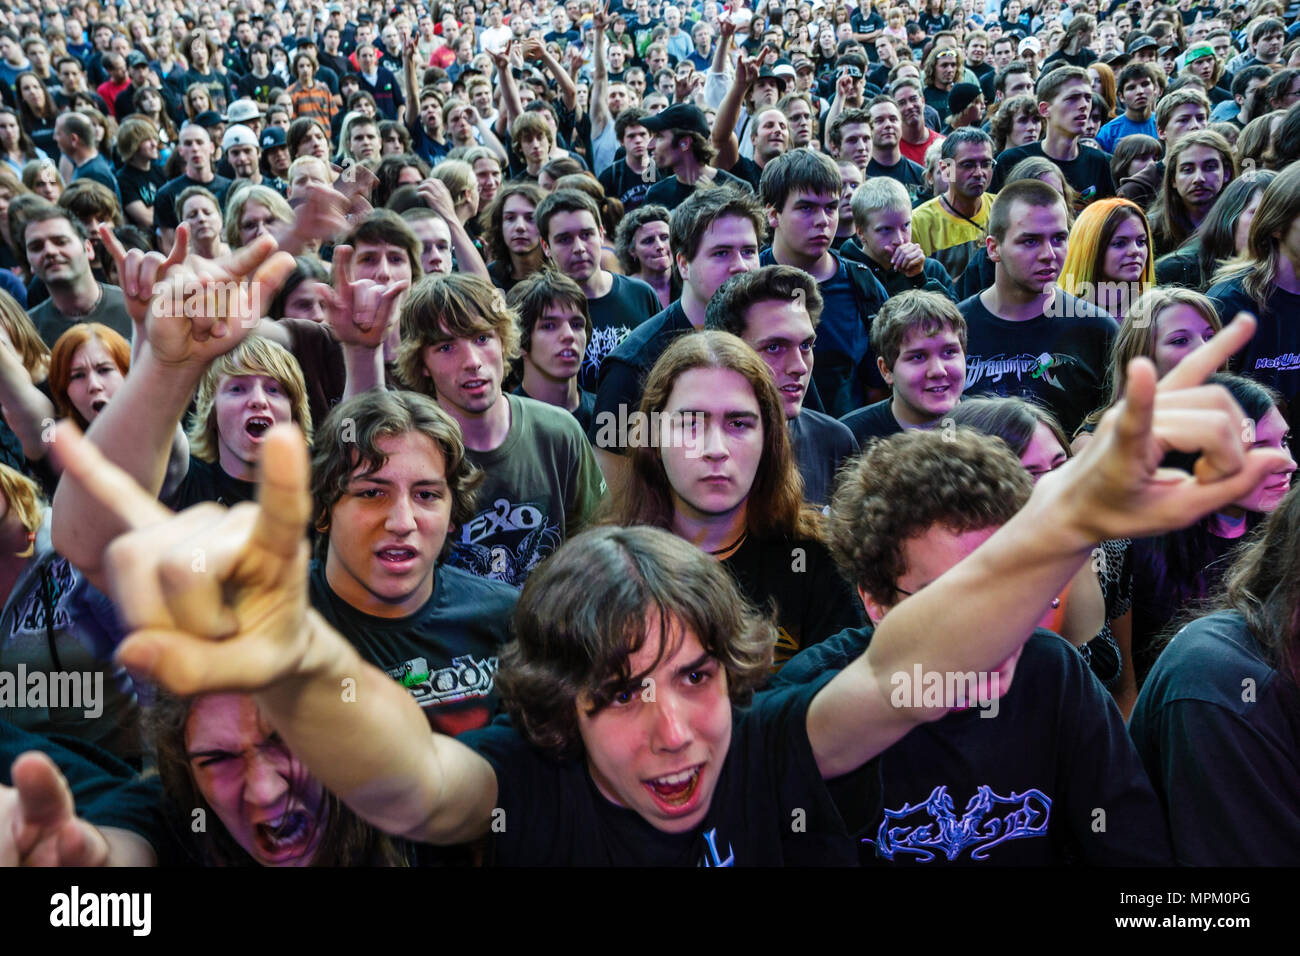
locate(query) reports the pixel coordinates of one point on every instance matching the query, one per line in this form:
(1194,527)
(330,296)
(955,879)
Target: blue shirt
(1110,134)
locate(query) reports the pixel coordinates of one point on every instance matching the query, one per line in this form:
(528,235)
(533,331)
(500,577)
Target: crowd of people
(599,433)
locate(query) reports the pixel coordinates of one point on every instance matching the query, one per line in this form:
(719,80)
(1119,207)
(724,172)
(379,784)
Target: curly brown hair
(588,608)
(902,486)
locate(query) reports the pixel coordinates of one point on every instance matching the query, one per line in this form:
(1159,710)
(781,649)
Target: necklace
(744,536)
(99,295)
(953,209)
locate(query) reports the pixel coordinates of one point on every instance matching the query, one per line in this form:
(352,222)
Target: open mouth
(285,834)
(675,790)
(258,425)
(568,355)
(98,404)
(396,556)
(475,385)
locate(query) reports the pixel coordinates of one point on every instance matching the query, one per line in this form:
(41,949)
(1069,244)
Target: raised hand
(726,27)
(138,272)
(909,259)
(748,67)
(241,621)
(534,50)
(1116,488)
(439,197)
(321,217)
(203,308)
(501,59)
(361,311)
(39,825)
(600,17)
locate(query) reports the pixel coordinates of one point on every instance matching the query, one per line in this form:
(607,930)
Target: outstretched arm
(24,406)
(724,124)
(244,624)
(598,98)
(137,429)
(535,49)
(39,825)
(410,53)
(975,617)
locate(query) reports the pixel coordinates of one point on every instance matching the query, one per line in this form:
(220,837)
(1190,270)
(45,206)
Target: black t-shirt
(627,304)
(1219,730)
(799,580)
(672,192)
(748,170)
(628,187)
(556,816)
(583,413)
(937,100)
(1272,357)
(141,185)
(257,87)
(218,86)
(1058,359)
(910,174)
(164,210)
(874,421)
(623,373)
(1088,173)
(820,445)
(208,481)
(1021,789)
(105,791)
(445,653)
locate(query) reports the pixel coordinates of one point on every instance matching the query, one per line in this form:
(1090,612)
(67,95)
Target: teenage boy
(630,178)
(635,736)
(428,137)
(952,226)
(554,329)
(775,310)
(542,482)
(1065,103)
(197,149)
(1058,749)
(920,338)
(1139,86)
(849,138)
(568,222)
(882,241)
(714,235)
(801,191)
(683,151)
(1025,336)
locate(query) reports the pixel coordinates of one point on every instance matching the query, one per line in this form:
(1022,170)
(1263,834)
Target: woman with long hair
(16,147)
(36,107)
(218,755)
(723,476)
(1016,123)
(253,211)
(11,187)
(198,207)
(197,100)
(458,176)
(25,403)
(1225,763)
(1103,85)
(1134,153)
(1197,168)
(1223,234)
(395,171)
(644,251)
(1073,46)
(142,173)
(1109,261)
(1176,570)
(1255,144)
(148,102)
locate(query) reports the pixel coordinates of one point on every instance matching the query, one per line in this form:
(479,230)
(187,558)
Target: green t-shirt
(540,488)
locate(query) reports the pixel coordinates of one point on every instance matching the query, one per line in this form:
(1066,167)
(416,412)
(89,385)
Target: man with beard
(683,149)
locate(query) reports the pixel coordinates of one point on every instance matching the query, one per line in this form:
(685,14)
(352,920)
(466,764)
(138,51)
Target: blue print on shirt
(925,829)
(711,855)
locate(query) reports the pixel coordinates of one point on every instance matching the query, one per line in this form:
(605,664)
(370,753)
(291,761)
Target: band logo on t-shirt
(1287,362)
(711,855)
(506,541)
(920,832)
(1022,366)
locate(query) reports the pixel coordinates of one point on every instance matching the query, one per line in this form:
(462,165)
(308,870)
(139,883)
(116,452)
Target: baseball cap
(1141,43)
(136,58)
(273,137)
(241,111)
(682,116)
(1030,43)
(238,136)
(208,119)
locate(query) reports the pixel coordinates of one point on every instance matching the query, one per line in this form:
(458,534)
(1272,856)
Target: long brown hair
(776,507)
(346,840)
(1257,266)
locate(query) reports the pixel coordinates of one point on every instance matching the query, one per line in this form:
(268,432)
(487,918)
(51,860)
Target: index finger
(283,492)
(245,260)
(111,488)
(1209,357)
(112,245)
